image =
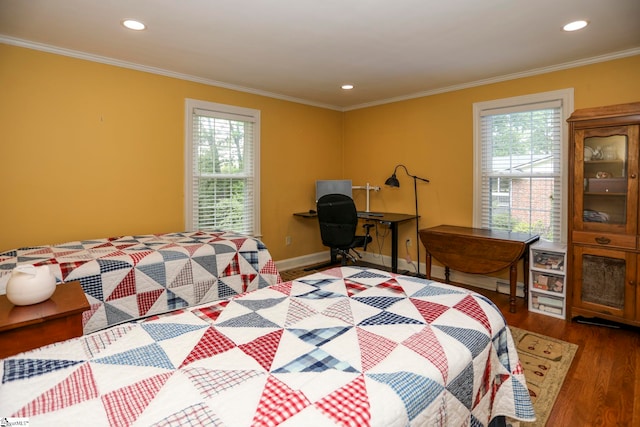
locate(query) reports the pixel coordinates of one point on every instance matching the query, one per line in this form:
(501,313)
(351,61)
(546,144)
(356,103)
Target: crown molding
(498,79)
(159,71)
(154,70)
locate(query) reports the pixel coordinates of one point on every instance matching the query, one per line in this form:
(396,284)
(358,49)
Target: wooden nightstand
(27,327)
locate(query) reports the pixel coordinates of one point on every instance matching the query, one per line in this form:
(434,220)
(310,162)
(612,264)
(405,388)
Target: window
(222,157)
(520,149)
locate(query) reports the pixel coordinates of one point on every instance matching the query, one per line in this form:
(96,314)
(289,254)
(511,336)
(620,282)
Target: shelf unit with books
(547,279)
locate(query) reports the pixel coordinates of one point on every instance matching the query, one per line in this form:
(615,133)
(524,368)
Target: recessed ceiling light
(347,87)
(575,25)
(132,24)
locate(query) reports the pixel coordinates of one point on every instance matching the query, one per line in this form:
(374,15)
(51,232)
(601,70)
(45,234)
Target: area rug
(546,362)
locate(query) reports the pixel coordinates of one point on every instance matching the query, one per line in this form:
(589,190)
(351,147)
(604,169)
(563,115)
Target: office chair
(338,221)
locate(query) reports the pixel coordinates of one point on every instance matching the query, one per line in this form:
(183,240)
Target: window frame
(226,111)
(520,103)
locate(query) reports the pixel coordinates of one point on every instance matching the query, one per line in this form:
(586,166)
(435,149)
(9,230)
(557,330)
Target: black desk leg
(394,246)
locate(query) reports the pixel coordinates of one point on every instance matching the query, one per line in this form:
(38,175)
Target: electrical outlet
(408,243)
(287,240)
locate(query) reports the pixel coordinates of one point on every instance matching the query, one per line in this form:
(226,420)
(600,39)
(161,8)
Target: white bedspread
(347,347)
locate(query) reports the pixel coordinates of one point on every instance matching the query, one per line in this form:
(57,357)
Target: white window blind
(520,147)
(222,157)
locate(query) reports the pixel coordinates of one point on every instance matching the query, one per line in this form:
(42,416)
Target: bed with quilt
(347,346)
(130,277)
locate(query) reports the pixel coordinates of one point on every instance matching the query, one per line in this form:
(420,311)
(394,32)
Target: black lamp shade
(392,181)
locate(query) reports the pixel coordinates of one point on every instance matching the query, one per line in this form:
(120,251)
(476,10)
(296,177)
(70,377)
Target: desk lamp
(392,181)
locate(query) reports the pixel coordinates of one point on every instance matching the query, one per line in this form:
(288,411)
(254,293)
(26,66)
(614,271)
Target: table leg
(447,271)
(427,261)
(513,282)
(525,266)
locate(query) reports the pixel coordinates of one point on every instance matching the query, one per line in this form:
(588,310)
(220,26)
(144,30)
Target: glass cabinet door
(606,170)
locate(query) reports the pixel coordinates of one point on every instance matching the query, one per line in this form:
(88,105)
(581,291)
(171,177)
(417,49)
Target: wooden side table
(479,251)
(27,327)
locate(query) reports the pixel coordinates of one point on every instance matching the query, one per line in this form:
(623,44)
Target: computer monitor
(333,186)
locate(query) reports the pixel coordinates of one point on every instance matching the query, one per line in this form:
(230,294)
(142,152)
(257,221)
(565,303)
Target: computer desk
(389,219)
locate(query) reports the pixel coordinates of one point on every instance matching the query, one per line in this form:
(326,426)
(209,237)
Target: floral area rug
(546,362)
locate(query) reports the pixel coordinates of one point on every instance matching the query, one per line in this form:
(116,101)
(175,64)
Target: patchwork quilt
(130,277)
(346,347)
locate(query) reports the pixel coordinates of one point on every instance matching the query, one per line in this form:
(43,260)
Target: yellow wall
(89,150)
(433,137)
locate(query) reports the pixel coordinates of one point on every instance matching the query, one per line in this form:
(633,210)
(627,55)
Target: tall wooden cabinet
(604,231)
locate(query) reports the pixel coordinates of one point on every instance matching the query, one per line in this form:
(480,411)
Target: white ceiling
(304,50)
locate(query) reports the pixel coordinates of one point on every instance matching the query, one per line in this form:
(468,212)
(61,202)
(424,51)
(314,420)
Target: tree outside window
(223,178)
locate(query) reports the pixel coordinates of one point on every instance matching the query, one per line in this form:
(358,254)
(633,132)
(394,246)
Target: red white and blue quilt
(131,277)
(345,347)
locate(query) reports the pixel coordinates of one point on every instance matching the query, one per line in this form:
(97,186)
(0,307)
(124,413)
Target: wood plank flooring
(602,387)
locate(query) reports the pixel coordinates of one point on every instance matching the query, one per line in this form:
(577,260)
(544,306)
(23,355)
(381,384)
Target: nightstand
(27,327)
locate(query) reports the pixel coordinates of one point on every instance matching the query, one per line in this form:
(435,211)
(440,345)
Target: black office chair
(338,221)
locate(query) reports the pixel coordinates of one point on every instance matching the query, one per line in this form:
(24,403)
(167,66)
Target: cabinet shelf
(549,271)
(604,162)
(545,292)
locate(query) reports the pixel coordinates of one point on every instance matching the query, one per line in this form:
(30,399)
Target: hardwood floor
(602,387)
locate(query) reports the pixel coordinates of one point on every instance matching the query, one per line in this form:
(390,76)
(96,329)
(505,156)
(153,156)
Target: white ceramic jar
(29,284)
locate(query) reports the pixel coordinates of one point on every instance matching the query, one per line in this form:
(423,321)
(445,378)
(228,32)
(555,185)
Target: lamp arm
(409,174)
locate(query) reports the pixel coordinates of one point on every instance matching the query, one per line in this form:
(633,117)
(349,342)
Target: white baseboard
(437,272)
(301,261)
